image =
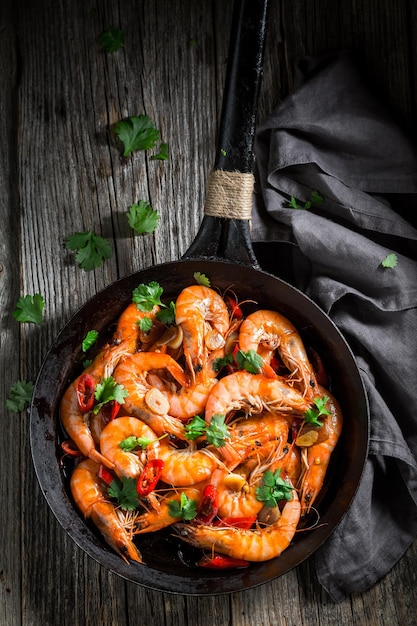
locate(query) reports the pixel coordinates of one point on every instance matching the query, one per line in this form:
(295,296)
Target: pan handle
(224,232)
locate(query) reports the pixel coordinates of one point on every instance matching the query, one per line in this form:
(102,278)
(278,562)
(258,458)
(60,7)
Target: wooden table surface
(61,171)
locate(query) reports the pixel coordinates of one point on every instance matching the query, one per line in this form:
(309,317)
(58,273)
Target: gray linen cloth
(333,136)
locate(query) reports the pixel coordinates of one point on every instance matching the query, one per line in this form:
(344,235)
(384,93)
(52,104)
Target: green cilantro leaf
(137,133)
(147,296)
(201,279)
(311,416)
(29,309)
(108,390)
(142,217)
(87,362)
(221,362)
(250,361)
(20,394)
(112,39)
(316,198)
(92,249)
(145,324)
(124,492)
(195,428)
(273,489)
(167,314)
(89,340)
(186,508)
(162,154)
(216,431)
(390,261)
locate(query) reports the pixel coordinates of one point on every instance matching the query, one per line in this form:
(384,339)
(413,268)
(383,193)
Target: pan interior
(170,564)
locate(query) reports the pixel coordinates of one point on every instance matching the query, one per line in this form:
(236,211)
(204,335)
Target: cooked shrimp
(144,400)
(266,331)
(236,492)
(190,401)
(248,436)
(316,457)
(152,521)
(254,393)
(125,463)
(184,467)
(258,544)
(144,370)
(289,463)
(124,341)
(76,423)
(203,316)
(89,496)
(128,330)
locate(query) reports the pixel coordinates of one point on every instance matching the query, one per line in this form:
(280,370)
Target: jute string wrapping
(229,195)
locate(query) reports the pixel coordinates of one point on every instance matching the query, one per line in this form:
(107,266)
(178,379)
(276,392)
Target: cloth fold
(332,149)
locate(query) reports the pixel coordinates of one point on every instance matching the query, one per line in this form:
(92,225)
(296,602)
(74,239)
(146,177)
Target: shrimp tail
(114,533)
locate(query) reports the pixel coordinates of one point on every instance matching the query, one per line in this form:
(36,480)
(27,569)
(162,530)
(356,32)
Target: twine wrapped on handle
(229,195)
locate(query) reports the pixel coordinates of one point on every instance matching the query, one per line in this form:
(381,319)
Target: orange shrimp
(289,463)
(144,370)
(203,316)
(145,400)
(266,331)
(152,521)
(184,467)
(89,496)
(254,393)
(316,458)
(126,463)
(128,331)
(258,544)
(236,492)
(248,436)
(75,423)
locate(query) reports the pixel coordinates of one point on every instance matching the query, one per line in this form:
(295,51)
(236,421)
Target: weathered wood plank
(10,479)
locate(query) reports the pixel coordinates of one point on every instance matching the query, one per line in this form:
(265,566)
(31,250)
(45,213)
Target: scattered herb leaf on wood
(91,249)
(20,395)
(112,39)
(29,309)
(137,133)
(162,154)
(142,217)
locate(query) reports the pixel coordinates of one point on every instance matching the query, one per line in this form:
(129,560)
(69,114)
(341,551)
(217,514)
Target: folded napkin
(332,136)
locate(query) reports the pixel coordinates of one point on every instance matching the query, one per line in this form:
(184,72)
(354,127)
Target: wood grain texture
(61,171)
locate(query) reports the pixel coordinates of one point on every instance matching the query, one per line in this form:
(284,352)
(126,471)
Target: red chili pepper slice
(235,308)
(237,522)
(222,562)
(149,477)
(85,393)
(110,410)
(105,474)
(70,448)
(208,507)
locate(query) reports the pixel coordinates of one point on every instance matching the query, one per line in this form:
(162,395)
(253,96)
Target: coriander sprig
(147,296)
(311,416)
